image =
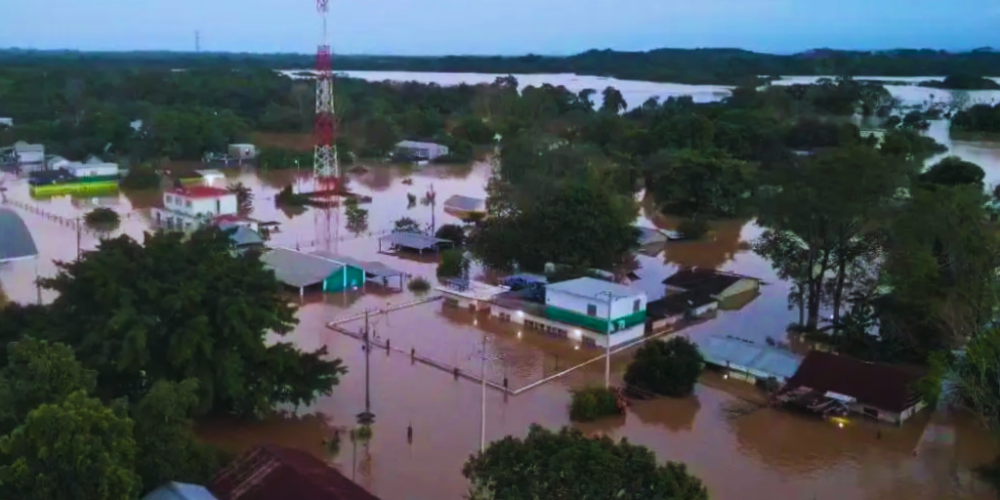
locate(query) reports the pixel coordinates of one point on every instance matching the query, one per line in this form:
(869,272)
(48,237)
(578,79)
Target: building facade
(600,308)
(191,207)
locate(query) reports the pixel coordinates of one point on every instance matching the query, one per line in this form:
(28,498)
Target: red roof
(886,387)
(274,473)
(201,192)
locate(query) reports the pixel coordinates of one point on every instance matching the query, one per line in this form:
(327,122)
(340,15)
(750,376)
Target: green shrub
(592,403)
(452,264)
(141,177)
(418,285)
(669,368)
(102,216)
(287,197)
(451,232)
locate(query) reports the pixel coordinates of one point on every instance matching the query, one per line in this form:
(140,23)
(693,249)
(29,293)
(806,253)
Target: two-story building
(190,207)
(586,310)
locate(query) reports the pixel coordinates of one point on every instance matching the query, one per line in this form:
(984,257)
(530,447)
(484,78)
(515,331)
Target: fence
(73,223)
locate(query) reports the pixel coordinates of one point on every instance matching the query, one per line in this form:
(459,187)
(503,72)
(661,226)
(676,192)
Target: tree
(582,223)
(452,265)
(569,466)
(244,197)
(977,373)
(406,225)
(166,444)
(592,403)
(954,171)
(453,233)
(37,373)
(670,368)
(357,217)
(74,449)
(182,307)
(821,215)
(613,103)
(381,136)
(698,182)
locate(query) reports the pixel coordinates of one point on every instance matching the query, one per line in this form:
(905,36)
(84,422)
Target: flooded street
(740,451)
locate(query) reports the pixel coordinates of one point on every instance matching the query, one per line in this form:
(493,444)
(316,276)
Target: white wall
(619,307)
(226,205)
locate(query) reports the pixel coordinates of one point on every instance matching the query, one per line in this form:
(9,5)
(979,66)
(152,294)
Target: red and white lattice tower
(326,170)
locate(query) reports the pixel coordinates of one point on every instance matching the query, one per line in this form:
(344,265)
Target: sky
(506,27)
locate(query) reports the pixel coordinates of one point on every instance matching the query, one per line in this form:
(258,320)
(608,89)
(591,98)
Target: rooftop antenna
(197,40)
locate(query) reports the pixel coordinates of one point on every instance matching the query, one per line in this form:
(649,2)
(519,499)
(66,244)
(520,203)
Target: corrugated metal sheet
(298,269)
(415,241)
(593,288)
(759,360)
(15,239)
(180,491)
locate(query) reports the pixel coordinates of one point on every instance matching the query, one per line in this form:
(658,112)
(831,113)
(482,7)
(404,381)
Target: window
(187,203)
(170,199)
(591,310)
(218,206)
(636,305)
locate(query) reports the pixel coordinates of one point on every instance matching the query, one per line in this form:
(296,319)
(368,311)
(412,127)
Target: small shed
(29,153)
(413,241)
(242,151)
(717,284)
(372,269)
(302,270)
(180,491)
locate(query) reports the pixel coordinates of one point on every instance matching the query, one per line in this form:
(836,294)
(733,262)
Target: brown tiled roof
(274,473)
(879,385)
(706,281)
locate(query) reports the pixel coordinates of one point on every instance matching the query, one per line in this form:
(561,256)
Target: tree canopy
(180,307)
(667,367)
(570,466)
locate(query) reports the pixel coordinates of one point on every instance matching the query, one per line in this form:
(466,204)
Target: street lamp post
(484,357)
(607,342)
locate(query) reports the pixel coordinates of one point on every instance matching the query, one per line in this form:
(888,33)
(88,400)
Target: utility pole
(484,357)
(367,417)
(78,235)
(607,343)
(197,41)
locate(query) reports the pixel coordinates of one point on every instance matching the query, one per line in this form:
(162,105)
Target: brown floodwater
(740,450)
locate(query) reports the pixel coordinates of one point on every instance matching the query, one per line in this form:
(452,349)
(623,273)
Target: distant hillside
(701,66)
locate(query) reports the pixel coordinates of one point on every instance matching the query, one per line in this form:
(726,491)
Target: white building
(91,169)
(421,150)
(6,122)
(584,310)
(29,153)
(242,151)
(191,207)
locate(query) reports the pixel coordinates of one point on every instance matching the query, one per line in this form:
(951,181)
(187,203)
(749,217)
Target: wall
(227,204)
(575,303)
(575,335)
(343,279)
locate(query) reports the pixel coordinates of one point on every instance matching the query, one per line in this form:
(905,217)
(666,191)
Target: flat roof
(16,242)
(593,288)
(201,192)
(704,280)
(299,269)
(415,241)
(417,144)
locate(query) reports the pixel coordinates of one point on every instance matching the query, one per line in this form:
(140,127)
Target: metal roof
(417,144)
(242,235)
(299,269)
(756,359)
(16,242)
(180,491)
(374,268)
(465,203)
(593,288)
(415,241)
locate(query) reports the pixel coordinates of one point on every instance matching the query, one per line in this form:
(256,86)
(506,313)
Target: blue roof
(180,491)
(757,359)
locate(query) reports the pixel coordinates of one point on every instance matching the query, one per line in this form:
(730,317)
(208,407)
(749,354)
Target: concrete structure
(421,150)
(180,491)
(93,168)
(597,308)
(876,390)
(212,177)
(190,207)
(719,285)
(302,270)
(29,153)
(242,151)
(745,360)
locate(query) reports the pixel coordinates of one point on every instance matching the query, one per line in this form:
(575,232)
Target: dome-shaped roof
(15,239)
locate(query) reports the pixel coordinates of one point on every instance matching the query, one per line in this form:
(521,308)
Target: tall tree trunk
(816,290)
(838,290)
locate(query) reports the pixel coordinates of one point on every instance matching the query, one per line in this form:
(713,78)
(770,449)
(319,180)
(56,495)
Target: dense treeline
(978,118)
(718,66)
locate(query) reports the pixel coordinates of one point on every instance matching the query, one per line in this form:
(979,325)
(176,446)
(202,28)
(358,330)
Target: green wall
(350,275)
(599,325)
